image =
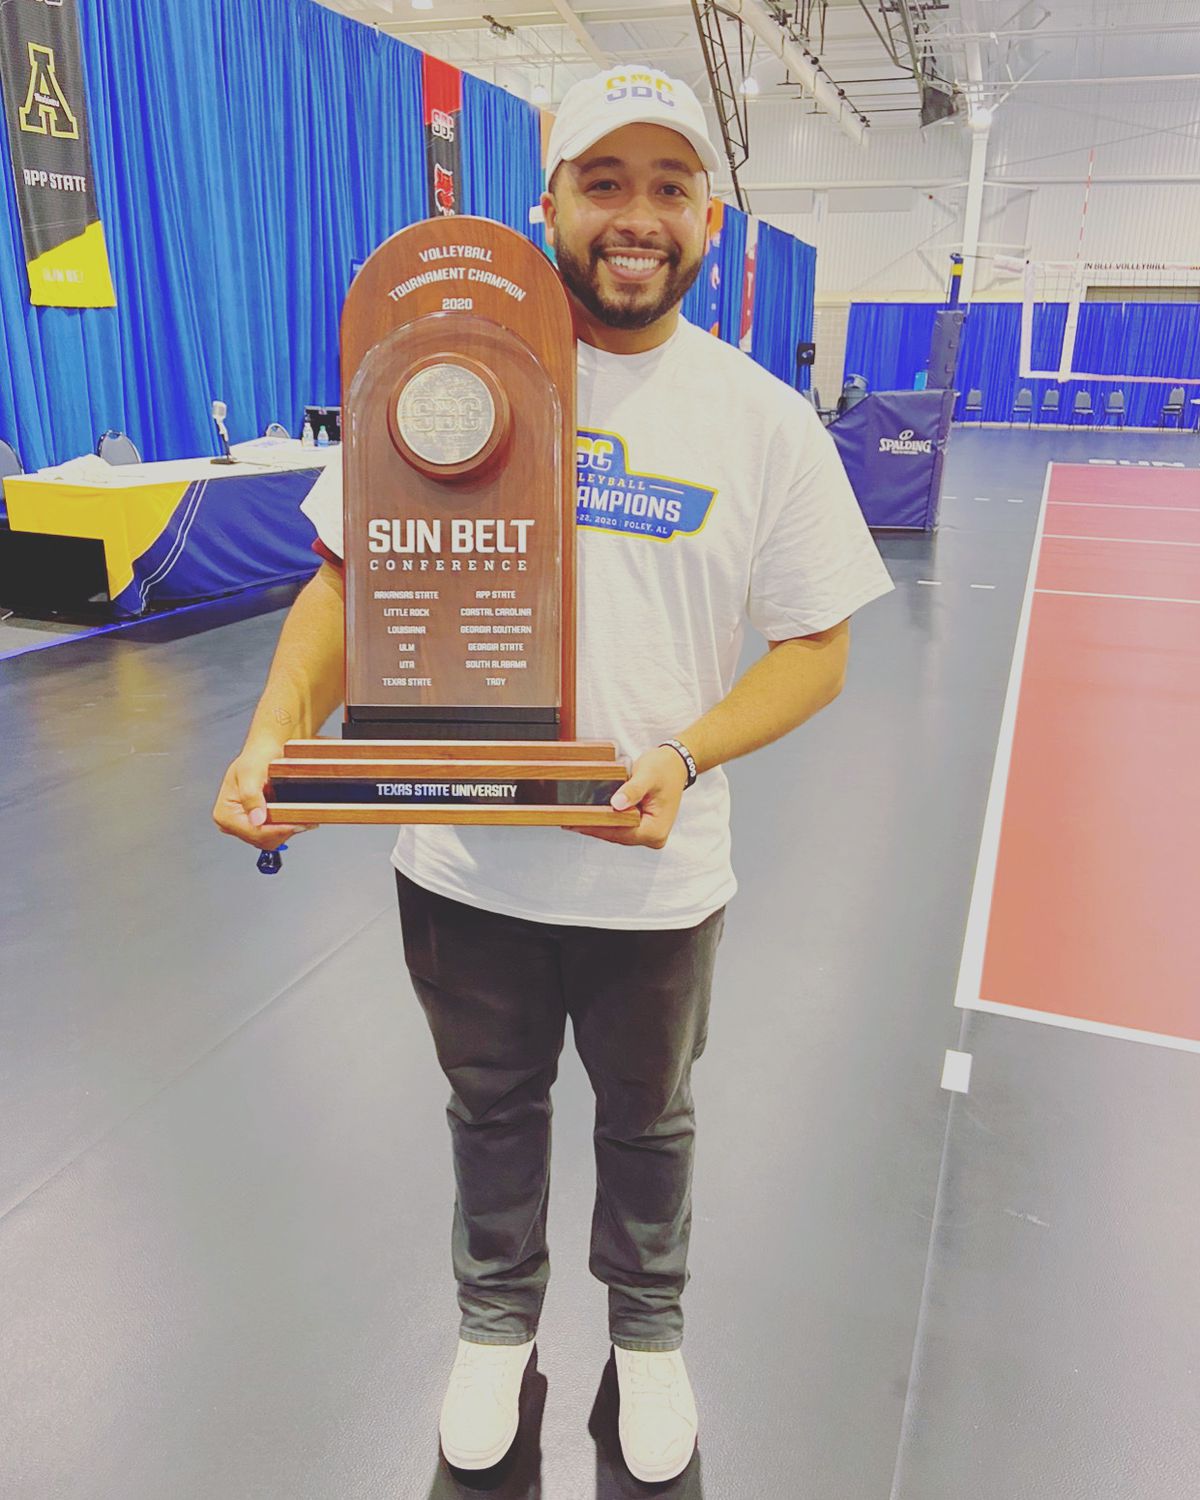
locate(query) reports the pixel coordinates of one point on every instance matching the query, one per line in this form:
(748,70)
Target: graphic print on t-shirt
(610,496)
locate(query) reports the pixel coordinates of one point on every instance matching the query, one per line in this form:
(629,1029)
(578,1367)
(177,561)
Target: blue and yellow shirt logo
(612,497)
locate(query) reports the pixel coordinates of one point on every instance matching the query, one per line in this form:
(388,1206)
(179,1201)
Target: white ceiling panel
(1087,71)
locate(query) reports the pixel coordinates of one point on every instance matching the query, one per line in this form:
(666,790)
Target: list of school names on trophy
(458,426)
(414,618)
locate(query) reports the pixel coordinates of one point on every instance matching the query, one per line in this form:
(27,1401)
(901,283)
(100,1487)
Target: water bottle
(306,435)
(322,436)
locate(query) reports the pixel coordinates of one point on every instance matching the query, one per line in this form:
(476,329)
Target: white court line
(1187,510)
(984,499)
(1140,598)
(983,585)
(930,583)
(1132,541)
(1016,501)
(1101,1028)
(970,972)
(956,1072)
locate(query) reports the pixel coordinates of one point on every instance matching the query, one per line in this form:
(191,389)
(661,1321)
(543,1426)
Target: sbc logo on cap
(639,86)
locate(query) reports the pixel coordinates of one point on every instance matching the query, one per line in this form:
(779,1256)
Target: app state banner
(41,67)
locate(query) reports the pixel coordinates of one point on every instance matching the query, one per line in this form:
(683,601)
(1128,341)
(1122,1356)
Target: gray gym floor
(225,1188)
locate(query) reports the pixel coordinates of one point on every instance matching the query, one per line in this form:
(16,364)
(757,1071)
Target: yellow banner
(73,274)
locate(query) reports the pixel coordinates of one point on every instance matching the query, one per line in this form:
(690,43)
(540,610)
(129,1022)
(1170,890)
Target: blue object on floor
(270,861)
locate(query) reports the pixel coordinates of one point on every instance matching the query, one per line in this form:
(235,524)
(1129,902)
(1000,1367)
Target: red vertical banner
(747,334)
(442,87)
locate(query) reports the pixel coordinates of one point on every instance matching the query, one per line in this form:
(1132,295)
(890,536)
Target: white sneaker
(481,1412)
(658,1420)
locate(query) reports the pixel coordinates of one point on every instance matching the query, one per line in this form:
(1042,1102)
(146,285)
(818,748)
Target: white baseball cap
(635,95)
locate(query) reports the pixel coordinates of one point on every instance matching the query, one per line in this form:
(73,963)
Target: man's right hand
(241,807)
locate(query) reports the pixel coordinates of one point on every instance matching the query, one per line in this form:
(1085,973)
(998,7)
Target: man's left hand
(655,787)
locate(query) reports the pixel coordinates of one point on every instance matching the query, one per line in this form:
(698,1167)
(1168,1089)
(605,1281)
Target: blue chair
(116,448)
(1082,406)
(1023,406)
(1115,407)
(276,430)
(974,406)
(1050,405)
(1172,406)
(10,463)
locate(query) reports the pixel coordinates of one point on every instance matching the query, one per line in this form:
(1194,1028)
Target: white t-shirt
(708,494)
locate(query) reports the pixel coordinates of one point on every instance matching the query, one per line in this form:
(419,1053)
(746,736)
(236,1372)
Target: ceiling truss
(728,94)
(891,63)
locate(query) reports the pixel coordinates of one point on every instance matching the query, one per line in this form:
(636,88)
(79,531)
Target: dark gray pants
(496,992)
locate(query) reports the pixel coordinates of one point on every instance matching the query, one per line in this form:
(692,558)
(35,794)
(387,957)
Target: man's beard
(625,309)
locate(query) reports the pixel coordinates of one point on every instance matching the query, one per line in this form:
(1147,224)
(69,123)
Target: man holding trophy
(707,494)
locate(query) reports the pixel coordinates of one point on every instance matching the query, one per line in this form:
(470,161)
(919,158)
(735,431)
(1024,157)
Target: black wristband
(685,755)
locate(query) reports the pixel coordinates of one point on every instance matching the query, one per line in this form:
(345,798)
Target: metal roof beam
(547,15)
(779,42)
(580,32)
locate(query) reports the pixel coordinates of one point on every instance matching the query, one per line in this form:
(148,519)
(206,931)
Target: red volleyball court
(1086,906)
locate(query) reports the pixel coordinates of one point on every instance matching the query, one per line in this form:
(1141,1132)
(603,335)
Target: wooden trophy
(458,432)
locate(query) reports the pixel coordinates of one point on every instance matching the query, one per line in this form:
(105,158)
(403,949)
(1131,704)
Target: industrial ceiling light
(539,94)
(749,85)
(422,4)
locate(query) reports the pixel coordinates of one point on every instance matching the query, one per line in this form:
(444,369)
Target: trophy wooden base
(563,783)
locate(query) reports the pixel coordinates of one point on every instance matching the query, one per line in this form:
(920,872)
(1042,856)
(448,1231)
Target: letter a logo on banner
(46,99)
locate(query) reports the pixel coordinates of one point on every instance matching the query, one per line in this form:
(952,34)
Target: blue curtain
(989,352)
(244,156)
(727,255)
(702,304)
(784,281)
(1136,338)
(807,306)
(783,302)
(733,272)
(889,343)
(502,156)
